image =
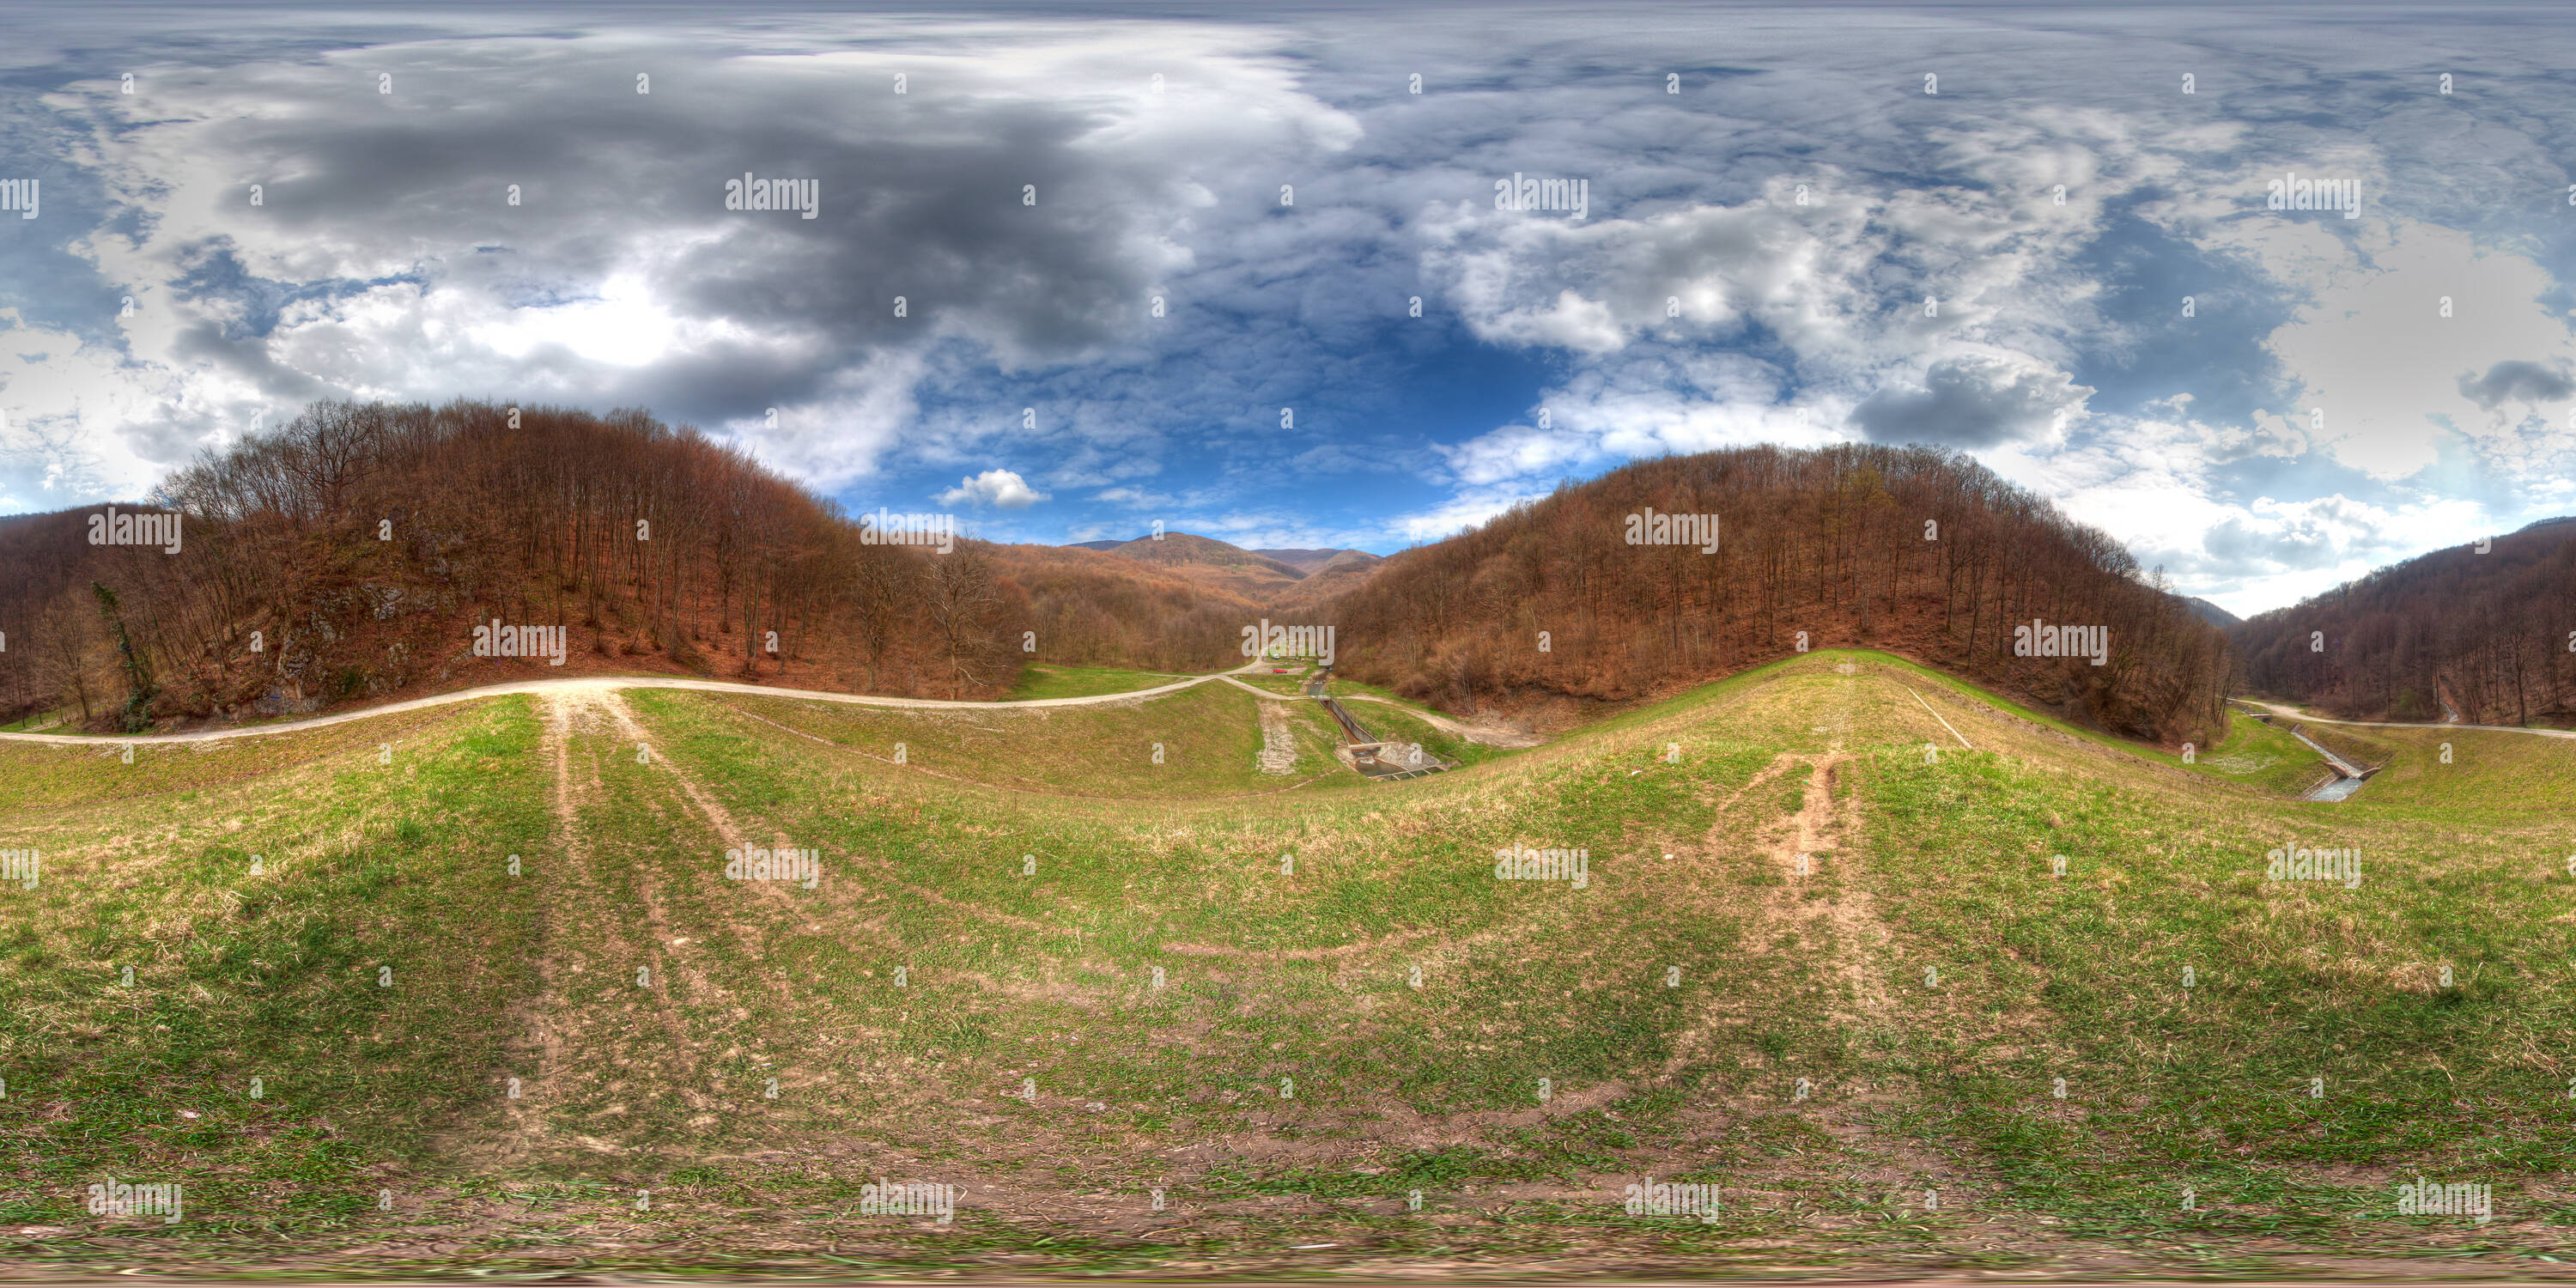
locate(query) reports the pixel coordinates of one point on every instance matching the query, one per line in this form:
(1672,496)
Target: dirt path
(1819,845)
(2294,713)
(579,685)
(1822,845)
(1828,819)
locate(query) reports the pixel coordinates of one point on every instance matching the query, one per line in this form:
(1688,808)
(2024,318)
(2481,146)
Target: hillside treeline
(2491,631)
(1091,608)
(1832,542)
(352,551)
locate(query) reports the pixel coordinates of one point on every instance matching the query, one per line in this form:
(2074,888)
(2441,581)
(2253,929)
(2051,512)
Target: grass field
(2263,756)
(1833,974)
(1045,680)
(1292,684)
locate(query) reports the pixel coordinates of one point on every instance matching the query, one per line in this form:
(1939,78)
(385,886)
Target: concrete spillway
(1365,749)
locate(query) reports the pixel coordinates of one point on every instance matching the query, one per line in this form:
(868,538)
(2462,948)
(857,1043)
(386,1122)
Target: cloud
(2518,381)
(1136,498)
(1001,489)
(2387,310)
(1460,512)
(514,221)
(1972,402)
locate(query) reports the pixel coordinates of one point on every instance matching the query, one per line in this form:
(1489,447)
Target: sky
(1262,273)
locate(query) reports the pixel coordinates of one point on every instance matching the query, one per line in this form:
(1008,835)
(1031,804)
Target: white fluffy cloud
(1000,489)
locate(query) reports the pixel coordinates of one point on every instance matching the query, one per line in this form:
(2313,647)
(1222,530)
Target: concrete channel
(1371,755)
(2348,776)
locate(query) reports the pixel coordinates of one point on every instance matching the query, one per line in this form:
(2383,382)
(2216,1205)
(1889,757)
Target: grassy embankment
(969,993)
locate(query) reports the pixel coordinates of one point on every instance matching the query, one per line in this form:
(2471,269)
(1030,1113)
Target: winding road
(599,683)
(2294,713)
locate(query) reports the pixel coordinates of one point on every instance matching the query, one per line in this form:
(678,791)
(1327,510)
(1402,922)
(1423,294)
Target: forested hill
(350,555)
(2490,630)
(1914,549)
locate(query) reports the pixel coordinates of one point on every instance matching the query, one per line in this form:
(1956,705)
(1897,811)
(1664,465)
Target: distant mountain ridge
(1311,562)
(1303,560)
(1256,575)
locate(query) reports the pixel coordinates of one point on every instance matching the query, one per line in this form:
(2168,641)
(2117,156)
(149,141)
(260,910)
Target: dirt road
(602,683)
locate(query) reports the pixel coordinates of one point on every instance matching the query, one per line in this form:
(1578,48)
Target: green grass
(1291,684)
(1047,680)
(271,975)
(992,911)
(1201,742)
(2259,755)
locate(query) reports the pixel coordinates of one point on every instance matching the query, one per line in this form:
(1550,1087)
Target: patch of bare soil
(1278,742)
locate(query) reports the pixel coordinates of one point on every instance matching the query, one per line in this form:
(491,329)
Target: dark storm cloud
(1968,402)
(921,195)
(2517,381)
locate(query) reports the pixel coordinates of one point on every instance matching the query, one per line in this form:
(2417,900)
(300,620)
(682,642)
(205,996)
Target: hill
(1096,607)
(2485,631)
(1260,577)
(1568,602)
(1214,564)
(2213,614)
(1311,562)
(354,553)
(1174,1013)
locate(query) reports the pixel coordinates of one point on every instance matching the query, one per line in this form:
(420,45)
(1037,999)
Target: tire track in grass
(658,909)
(581,1042)
(1852,911)
(782,1040)
(541,1020)
(751,934)
(878,1039)
(1823,830)
(1764,775)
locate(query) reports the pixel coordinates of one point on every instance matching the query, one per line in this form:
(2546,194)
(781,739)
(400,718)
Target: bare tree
(964,609)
